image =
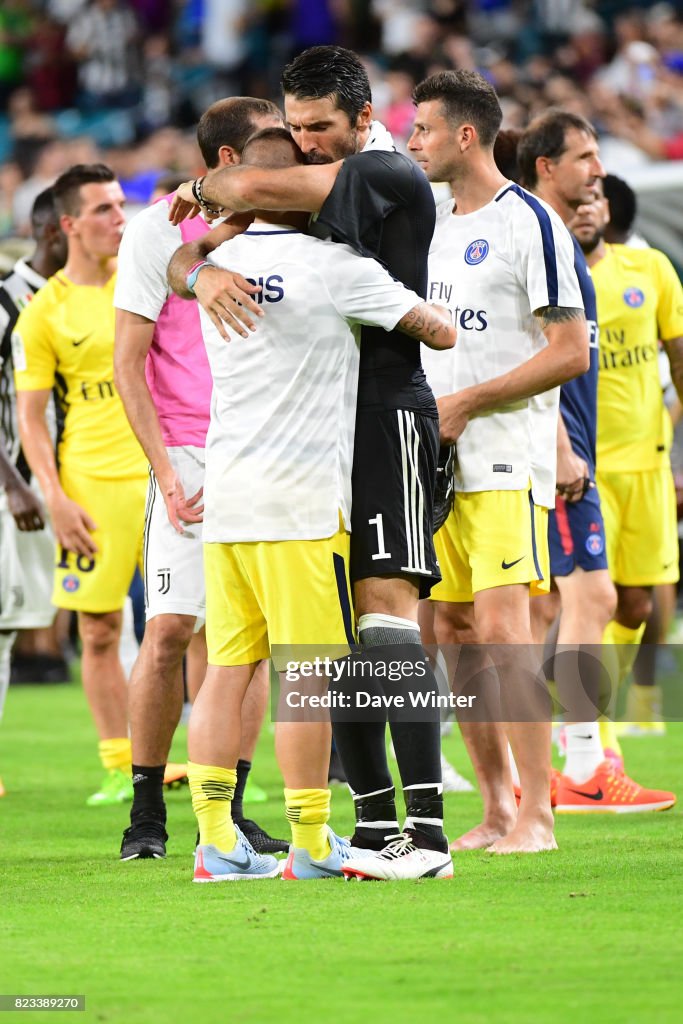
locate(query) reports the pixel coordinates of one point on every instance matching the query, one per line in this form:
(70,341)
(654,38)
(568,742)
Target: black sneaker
(144,838)
(260,840)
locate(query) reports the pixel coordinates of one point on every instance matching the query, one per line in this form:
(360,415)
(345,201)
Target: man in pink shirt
(162,374)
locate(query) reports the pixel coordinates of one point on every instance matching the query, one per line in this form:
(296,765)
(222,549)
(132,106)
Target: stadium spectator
(105,40)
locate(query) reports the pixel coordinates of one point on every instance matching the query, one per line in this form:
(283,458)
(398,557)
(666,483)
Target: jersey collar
(31,276)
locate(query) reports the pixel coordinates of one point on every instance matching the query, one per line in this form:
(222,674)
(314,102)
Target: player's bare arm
(566,356)
(226,297)
(255,188)
(573,475)
(674,350)
(72,524)
(429,324)
(23,504)
(134,334)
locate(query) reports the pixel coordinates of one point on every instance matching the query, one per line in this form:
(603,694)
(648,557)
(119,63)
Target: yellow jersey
(65,338)
(640,300)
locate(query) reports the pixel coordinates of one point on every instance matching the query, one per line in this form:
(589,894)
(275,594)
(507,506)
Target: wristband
(193,274)
(199,196)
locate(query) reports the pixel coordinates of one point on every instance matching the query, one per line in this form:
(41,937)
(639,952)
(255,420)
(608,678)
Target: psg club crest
(595,545)
(71,584)
(476,252)
(633,297)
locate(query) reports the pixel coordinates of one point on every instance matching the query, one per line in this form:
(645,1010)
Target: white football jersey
(280,444)
(493,268)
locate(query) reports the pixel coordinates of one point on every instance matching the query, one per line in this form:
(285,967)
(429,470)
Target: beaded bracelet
(199,196)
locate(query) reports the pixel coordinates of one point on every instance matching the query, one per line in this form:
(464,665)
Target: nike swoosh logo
(236,863)
(591,796)
(508,565)
(327,871)
(77,343)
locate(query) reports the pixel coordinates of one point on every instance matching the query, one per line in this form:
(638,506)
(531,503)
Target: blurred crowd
(126,80)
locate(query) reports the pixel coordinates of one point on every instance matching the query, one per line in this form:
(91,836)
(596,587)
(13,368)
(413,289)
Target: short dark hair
(230,122)
(623,204)
(466,98)
(273,135)
(329,71)
(68,185)
(44,209)
(547,136)
(505,152)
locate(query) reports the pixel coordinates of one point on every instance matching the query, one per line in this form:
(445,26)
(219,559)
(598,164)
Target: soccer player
(96,493)
(504,263)
(163,376)
(278,510)
(559,162)
(26,541)
(640,301)
(376,200)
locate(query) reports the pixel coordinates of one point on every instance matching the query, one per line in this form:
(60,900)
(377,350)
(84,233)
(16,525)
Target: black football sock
(376,819)
(236,808)
(416,723)
(359,736)
(148,792)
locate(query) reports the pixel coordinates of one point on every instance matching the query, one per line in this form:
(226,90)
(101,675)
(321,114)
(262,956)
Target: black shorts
(394,470)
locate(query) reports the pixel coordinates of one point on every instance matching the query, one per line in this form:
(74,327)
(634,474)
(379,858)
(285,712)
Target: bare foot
(526,838)
(481,837)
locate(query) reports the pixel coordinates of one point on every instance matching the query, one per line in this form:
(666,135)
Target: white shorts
(173,563)
(27,566)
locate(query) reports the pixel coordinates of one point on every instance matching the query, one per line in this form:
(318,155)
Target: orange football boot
(175,775)
(609,791)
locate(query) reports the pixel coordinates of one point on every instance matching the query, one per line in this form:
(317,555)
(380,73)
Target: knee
(167,637)
(602,602)
(634,606)
(100,634)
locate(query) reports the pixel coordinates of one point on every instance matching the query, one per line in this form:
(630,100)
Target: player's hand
(184,206)
(454,416)
(73,526)
(181,509)
(25,507)
(573,475)
(227,298)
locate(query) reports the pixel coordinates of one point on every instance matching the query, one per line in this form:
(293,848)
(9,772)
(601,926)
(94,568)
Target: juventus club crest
(164,577)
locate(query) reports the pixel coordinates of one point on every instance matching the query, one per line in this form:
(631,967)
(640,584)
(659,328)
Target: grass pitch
(592,933)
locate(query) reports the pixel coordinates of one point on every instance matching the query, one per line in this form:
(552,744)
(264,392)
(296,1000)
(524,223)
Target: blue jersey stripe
(547,238)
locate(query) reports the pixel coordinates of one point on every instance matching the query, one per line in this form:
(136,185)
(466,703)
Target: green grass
(589,934)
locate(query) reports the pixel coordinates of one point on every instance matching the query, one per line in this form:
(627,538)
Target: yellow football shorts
(641,530)
(292,596)
(492,539)
(117,507)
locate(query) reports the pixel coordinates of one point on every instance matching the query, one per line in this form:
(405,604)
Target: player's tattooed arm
(429,324)
(674,350)
(559,315)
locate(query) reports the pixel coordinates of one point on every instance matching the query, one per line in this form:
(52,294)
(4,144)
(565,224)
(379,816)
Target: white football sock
(584,751)
(513,768)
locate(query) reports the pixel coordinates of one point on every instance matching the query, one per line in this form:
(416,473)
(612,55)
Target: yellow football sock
(115,754)
(212,790)
(608,736)
(644,703)
(308,811)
